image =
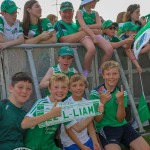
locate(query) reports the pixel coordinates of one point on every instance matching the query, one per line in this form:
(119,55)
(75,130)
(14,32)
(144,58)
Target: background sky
(108,9)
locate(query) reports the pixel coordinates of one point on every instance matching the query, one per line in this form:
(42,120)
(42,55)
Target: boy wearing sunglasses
(109,29)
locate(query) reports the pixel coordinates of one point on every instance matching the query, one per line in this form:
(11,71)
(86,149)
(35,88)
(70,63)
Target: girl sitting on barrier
(88,20)
(36,30)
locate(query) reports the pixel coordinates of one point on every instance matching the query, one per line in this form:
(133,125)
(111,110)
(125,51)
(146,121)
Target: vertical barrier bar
(33,71)
(124,80)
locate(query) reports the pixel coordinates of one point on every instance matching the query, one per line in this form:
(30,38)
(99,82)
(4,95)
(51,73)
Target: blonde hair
(58,77)
(76,77)
(110,64)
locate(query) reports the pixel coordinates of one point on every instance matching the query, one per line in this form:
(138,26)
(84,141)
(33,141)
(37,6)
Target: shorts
(118,135)
(89,144)
(98,36)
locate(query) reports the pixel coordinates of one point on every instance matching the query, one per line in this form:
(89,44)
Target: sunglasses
(110,28)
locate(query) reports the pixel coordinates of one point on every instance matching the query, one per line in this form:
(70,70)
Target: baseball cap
(108,23)
(129,26)
(66,5)
(65,50)
(8,6)
(83,2)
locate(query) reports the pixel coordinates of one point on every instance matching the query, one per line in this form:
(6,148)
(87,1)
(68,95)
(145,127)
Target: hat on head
(66,6)
(129,26)
(8,6)
(108,23)
(83,2)
(65,50)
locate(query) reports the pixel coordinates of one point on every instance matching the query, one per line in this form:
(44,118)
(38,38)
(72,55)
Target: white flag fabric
(142,38)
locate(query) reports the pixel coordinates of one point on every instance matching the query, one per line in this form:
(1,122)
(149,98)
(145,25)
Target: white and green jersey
(110,108)
(46,26)
(40,138)
(82,136)
(10,32)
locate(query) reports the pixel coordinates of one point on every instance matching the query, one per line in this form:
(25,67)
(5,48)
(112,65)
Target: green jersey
(63,29)
(113,39)
(40,138)
(46,26)
(110,109)
(11,133)
(89,19)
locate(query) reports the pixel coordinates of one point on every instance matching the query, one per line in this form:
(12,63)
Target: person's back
(12,113)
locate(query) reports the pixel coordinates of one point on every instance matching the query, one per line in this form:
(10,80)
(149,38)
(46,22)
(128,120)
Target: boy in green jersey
(11,112)
(112,127)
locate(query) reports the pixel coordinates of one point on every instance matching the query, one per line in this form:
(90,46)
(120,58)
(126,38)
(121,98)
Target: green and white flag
(69,111)
(143,109)
(142,38)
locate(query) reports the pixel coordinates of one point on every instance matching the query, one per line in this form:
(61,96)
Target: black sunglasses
(112,28)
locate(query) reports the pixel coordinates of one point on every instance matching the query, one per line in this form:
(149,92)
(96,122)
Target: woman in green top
(37,30)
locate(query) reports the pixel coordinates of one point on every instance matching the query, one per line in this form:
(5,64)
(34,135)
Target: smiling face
(20,92)
(77,88)
(58,90)
(111,77)
(67,15)
(35,10)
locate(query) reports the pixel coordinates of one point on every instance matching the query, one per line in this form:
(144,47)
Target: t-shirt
(82,136)
(89,19)
(114,39)
(11,133)
(40,138)
(110,109)
(46,26)
(10,32)
(63,29)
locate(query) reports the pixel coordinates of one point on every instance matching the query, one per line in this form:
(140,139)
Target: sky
(108,9)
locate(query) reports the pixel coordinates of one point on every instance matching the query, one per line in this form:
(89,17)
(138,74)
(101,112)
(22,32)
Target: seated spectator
(36,30)
(52,18)
(11,32)
(108,28)
(112,127)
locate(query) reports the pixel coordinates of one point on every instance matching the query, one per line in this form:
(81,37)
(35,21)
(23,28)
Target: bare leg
(107,48)
(112,147)
(91,50)
(139,144)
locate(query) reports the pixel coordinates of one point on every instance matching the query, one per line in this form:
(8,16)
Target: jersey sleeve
(20,32)
(1,25)
(125,99)
(94,95)
(49,26)
(60,29)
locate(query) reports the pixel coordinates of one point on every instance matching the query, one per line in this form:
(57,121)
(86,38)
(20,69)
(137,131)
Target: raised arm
(45,80)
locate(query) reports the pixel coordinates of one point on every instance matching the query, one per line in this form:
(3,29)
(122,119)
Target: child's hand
(96,145)
(55,111)
(45,35)
(120,95)
(128,40)
(85,148)
(139,69)
(101,108)
(95,39)
(104,95)
(3,46)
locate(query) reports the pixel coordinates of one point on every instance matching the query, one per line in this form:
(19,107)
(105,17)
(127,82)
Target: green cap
(108,23)
(65,50)
(129,26)
(8,6)
(66,6)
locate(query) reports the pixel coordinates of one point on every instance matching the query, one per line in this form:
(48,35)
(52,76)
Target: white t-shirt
(10,32)
(82,136)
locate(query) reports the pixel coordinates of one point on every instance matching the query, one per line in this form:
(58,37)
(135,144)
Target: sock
(86,73)
(99,71)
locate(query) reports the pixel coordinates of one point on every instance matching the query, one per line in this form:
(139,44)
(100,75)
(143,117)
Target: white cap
(86,1)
